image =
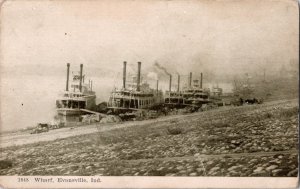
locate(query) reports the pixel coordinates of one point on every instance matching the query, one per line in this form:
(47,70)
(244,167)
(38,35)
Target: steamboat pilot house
(134,95)
(78,97)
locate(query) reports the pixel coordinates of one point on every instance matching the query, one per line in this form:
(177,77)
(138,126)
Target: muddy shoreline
(257,140)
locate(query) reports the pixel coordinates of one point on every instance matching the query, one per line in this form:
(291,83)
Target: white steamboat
(134,95)
(78,98)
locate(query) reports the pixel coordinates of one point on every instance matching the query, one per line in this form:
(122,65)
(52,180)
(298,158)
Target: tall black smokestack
(178,84)
(80,83)
(201,78)
(68,70)
(190,80)
(138,77)
(91,85)
(124,74)
(170,84)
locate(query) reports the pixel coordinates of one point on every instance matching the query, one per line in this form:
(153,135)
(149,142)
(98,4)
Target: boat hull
(68,112)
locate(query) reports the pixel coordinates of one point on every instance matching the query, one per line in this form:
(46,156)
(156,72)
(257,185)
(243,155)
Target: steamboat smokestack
(138,77)
(68,70)
(190,80)
(80,83)
(178,84)
(170,83)
(124,74)
(91,85)
(201,77)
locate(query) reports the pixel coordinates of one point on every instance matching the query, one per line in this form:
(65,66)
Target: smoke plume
(157,65)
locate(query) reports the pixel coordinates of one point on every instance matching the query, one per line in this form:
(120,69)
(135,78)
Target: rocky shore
(254,140)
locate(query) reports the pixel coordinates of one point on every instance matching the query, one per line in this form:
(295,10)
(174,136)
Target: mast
(190,80)
(201,77)
(170,83)
(138,77)
(68,71)
(178,83)
(80,83)
(124,74)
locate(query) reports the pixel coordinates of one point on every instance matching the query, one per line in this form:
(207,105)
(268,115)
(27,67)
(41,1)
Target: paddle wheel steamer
(134,95)
(77,98)
(192,95)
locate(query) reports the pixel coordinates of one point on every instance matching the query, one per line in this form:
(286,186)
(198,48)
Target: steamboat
(192,95)
(79,98)
(217,96)
(134,95)
(174,98)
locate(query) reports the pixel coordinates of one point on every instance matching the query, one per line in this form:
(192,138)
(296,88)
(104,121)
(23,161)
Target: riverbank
(253,140)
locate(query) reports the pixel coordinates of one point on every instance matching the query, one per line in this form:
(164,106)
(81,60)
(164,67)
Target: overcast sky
(102,34)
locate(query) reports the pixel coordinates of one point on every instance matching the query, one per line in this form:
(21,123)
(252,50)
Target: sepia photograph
(147,94)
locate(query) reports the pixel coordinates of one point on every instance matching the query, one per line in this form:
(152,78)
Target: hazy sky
(102,34)
(38,38)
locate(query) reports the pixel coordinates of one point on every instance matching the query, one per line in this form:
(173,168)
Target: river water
(30,99)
